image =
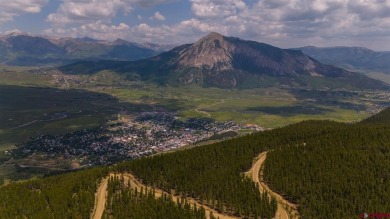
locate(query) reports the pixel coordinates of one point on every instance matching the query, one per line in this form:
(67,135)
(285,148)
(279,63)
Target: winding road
(101,196)
(100,200)
(285,210)
(283,204)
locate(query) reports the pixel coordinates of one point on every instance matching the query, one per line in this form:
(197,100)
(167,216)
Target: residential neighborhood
(146,134)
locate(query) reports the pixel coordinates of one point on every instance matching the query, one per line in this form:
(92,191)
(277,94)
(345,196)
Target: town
(146,134)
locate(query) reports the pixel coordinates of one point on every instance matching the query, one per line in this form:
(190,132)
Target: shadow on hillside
(330,98)
(291,110)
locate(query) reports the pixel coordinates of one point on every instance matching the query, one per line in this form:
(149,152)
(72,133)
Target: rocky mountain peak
(211,51)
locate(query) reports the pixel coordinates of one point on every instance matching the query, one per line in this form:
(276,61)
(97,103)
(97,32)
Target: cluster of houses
(146,134)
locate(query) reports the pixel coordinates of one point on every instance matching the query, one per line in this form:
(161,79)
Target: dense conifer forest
(125,202)
(339,174)
(330,169)
(70,195)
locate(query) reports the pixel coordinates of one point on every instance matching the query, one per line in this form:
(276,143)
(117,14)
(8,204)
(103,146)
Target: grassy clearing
(20,76)
(269,107)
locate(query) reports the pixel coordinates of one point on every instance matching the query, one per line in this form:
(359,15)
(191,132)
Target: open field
(268,107)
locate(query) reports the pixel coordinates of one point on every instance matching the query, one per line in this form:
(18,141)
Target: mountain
(23,49)
(158,47)
(354,58)
(220,61)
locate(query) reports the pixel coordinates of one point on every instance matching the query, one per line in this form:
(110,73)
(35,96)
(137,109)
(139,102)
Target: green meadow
(33,103)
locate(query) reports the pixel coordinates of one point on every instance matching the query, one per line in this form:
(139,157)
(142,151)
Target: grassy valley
(42,101)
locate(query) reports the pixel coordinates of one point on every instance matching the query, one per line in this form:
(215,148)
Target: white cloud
(285,23)
(216,8)
(71,11)
(98,30)
(149,3)
(10,9)
(86,11)
(158,16)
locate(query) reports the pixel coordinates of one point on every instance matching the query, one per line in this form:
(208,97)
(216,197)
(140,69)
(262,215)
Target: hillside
(26,50)
(229,62)
(355,58)
(382,118)
(345,173)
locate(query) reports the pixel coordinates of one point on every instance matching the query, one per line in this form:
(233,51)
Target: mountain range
(26,50)
(352,58)
(230,62)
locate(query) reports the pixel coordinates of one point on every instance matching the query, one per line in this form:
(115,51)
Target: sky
(282,23)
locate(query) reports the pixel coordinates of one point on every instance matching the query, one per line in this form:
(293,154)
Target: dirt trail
(284,206)
(100,200)
(198,110)
(100,197)
(286,210)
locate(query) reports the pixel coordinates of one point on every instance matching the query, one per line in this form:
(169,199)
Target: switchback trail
(101,196)
(285,210)
(284,206)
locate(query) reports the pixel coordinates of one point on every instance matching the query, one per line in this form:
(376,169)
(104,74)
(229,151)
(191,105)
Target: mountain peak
(211,37)
(88,39)
(120,42)
(210,51)
(214,35)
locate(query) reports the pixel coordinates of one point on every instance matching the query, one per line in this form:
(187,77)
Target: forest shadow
(291,110)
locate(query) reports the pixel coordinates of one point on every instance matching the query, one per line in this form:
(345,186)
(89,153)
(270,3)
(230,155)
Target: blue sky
(283,23)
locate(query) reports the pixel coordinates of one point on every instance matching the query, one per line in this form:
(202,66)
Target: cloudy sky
(283,23)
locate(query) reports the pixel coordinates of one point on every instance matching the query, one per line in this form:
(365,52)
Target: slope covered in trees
(330,169)
(382,118)
(214,173)
(341,173)
(70,195)
(126,202)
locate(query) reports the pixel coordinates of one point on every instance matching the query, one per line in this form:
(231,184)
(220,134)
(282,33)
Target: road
(100,200)
(254,173)
(198,110)
(46,120)
(101,193)
(281,212)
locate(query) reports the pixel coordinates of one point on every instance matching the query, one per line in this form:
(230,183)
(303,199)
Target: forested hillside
(330,169)
(382,118)
(341,173)
(125,202)
(70,195)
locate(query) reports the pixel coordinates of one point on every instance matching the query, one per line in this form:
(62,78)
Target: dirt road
(283,205)
(100,197)
(100,200)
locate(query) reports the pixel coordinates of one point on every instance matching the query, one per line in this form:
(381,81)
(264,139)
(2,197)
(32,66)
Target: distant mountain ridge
(352,58)
(23,49)
(220,61)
